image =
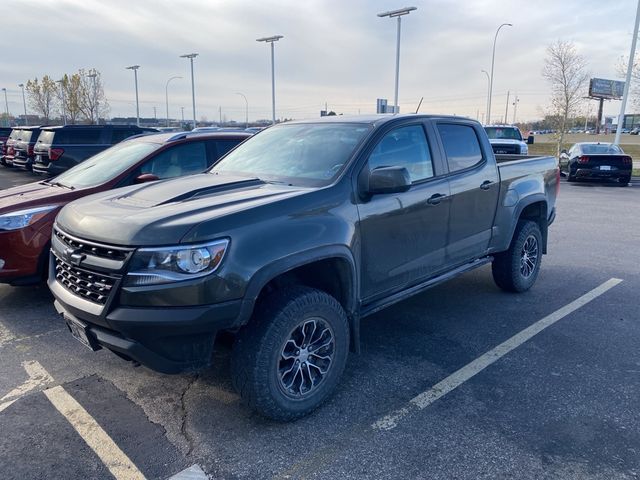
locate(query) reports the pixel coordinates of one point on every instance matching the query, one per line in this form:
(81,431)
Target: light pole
(271,41)
(191,56)
(625,94)
(135,76)
(488,88)
(246,110)
(515,108)
(391,14)
(166,95)
(493,58)
(6,106)
(64,110)
(24,103)
(93,75)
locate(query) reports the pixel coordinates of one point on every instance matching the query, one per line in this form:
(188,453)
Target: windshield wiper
(58,184)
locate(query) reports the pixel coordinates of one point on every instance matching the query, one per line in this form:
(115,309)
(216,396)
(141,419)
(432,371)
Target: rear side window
(461,146)
(221,147)
(120,134)
(81,136)
(184,159)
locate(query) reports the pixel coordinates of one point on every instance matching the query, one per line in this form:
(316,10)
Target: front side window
(404,147)
(461,146)
(184,159)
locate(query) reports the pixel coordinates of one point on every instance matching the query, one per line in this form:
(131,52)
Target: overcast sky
(338,52)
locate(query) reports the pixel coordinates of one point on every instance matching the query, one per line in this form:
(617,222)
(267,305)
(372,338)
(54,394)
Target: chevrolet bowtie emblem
(74,256)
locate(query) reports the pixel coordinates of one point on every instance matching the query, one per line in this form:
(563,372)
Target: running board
(409,292)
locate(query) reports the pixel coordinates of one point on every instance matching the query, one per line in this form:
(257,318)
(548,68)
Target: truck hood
(161,213)
(505,141)
(31,195)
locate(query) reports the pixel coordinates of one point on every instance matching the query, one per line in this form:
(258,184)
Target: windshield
(601,148)
(106,165)
(500,133)
(298,154)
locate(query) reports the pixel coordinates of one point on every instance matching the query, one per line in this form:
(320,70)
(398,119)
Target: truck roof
(376,119)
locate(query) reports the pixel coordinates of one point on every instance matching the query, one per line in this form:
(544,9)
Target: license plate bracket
(80,332)
(605,167)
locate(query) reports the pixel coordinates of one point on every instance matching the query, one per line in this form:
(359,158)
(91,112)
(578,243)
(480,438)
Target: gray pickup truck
(290,240)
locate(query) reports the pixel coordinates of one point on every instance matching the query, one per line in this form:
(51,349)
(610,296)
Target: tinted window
(299,154)
(184,159)
(404,147)
(221,147)
(106,165)
(600,149)
(81,136)
(120,134)
(461,146)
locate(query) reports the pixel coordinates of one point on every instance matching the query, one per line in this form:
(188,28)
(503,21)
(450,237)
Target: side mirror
(530,139)
(389,180)
(146,177)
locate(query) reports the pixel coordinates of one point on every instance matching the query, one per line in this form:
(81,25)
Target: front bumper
(164,339)
(24,253)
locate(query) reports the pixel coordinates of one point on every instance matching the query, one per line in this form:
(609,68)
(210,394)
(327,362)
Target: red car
(27,212)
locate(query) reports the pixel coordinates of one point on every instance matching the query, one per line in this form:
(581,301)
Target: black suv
(23,149)
(60,148)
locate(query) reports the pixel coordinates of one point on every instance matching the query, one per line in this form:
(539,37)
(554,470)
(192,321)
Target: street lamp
(166,95)
(191,56)
(493,57)
(246,111)
(272,40)
(6,105)
(93,75)
(391,14)
(24,103)
(488,89)
(135,76)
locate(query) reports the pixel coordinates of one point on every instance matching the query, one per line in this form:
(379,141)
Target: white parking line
(120,466)
(38,378)
(467,372)
(5,335)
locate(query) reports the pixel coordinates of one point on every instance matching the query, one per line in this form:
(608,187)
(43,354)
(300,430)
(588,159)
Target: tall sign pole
(632,55)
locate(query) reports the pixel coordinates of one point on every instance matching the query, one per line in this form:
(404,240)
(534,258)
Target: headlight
(23,218)
(152,266)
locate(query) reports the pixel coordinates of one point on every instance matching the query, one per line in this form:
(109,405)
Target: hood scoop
(212,190)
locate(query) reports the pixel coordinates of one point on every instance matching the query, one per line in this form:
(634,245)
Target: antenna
(421,98)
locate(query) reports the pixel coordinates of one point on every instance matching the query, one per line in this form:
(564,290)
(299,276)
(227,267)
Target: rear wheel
(289,358)
(516,270)
(624,181)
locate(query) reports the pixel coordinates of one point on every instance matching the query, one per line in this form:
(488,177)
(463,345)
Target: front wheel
(516,270)
(289,358)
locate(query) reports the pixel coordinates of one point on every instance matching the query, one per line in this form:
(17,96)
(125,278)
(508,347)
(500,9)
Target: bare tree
(91,99)
(634,88)
(42,96)
(564,69)
(70,95)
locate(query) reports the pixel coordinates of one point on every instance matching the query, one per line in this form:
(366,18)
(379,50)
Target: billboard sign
(602,88)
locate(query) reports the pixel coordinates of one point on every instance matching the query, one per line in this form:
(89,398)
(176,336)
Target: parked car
(62,147)
(635,131)
(27,212)
(506,139)
(289,240)
(596,161)
(23,148)
(8,151)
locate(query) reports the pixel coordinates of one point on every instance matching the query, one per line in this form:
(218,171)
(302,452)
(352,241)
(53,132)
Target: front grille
(89,248)
(506,149)
(89,285)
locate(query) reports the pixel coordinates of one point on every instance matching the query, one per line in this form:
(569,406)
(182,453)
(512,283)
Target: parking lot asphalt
(562,404)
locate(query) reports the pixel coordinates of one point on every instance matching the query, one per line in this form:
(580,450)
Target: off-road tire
(507,266)
(256,355)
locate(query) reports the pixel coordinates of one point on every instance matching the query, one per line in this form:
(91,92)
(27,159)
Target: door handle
(486,185)
(436,198)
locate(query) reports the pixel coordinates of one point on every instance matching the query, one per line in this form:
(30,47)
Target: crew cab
(507,140)
(290,240)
